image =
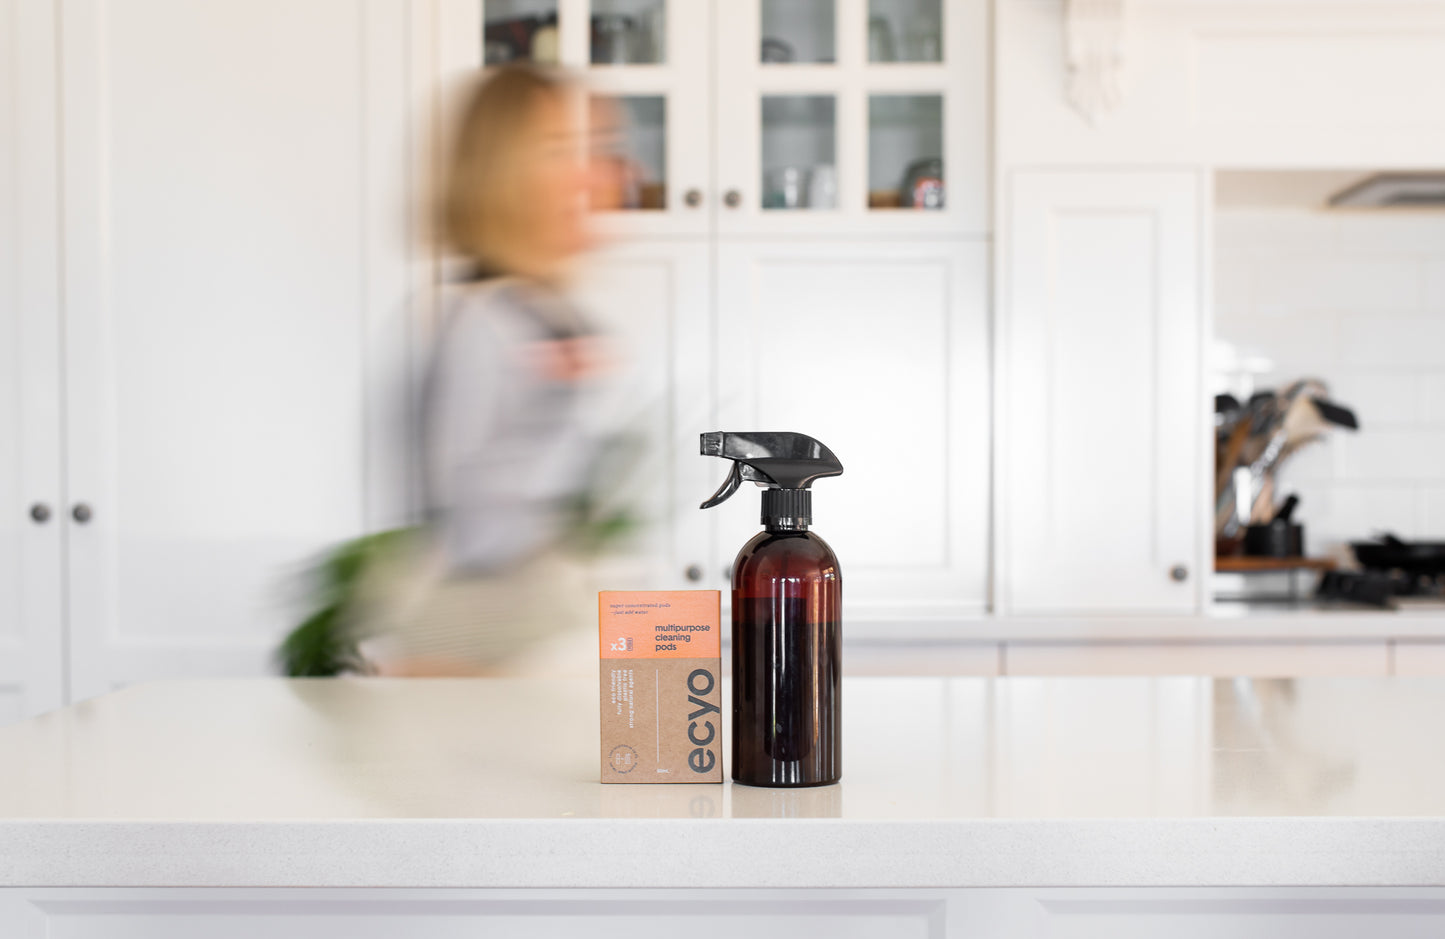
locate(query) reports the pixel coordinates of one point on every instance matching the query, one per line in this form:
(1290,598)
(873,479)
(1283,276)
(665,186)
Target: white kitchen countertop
(1225,623)
(947,782)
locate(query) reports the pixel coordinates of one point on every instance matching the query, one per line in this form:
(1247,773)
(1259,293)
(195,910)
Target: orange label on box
(658,624)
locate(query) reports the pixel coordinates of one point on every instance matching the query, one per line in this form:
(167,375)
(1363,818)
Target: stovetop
(1386,589)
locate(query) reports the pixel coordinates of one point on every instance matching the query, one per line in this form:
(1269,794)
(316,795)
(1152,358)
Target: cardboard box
(661,686)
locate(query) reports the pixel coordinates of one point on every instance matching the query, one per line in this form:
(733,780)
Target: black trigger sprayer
(786,595)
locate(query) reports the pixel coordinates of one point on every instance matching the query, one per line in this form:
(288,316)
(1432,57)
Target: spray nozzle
(770,459)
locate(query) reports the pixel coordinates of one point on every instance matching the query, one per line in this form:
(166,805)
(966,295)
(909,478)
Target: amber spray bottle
(786,595)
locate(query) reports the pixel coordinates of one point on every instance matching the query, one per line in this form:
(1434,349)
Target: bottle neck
(787,510)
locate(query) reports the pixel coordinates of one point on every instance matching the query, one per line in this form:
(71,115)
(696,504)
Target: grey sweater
(504,446)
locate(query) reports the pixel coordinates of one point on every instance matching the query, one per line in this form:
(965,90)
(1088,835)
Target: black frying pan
(1390,553)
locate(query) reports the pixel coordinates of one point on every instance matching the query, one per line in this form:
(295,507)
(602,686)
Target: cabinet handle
(1179,573)
(693,572)
(40,513)
(733,199)
(692,198)
(81,513)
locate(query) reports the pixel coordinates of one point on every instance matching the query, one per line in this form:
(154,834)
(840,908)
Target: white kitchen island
(969,807)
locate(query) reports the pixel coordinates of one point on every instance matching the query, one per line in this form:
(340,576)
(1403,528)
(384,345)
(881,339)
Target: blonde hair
(482,206)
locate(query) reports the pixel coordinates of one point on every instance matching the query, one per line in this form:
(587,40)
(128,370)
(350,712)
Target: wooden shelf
(1239,564)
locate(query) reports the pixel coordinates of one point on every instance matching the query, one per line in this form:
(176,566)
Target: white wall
(1264,83)
(1358,299)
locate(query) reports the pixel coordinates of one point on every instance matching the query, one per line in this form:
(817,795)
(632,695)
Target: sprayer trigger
(729,486)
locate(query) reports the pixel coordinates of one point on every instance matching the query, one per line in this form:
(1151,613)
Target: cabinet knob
(81,513)
(40,513)
(732,199)
(727,573)
(1179,573)
(692,198)
(693,572)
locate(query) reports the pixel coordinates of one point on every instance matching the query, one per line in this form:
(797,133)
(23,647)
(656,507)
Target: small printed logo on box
(622,645)
(623,759)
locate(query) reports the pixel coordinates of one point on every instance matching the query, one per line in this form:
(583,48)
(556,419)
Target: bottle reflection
(811,802)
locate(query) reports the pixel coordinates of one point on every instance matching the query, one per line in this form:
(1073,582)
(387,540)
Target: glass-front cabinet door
(645,69)
(852,116)
(768,116)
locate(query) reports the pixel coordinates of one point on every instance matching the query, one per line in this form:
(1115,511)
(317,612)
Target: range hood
(1393,191)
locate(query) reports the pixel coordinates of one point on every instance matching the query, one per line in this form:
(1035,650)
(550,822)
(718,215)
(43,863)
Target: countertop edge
(1298,627)
(726,853)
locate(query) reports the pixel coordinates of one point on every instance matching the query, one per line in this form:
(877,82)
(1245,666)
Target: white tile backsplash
(1432,398)
(1390,398)
(1337,513)
(1420,233)
(1390,454)
(1314,463)
(1295,348)
(1330,283)
(1233,287)
(1289,232)
(1432,511)
(1358,300)
(1378,341)
(1434,273)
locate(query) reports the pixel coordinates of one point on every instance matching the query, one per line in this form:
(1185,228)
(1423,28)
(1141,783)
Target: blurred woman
(505,450)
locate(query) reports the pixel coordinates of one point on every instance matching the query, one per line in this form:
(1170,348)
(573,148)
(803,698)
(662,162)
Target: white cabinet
(768,263)
(1099,483)
(769,116)
(209,273)
(867,92)
(910,913)
(210,278)
(31,628)
(383,914)
(225,293)
(880,349)
(652,299)
(663,109)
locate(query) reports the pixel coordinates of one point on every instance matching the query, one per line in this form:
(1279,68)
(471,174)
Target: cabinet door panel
(31,628)
(1099,485)
(102,913)
(653,300)
(879,349)
(234,276)
(675,146)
